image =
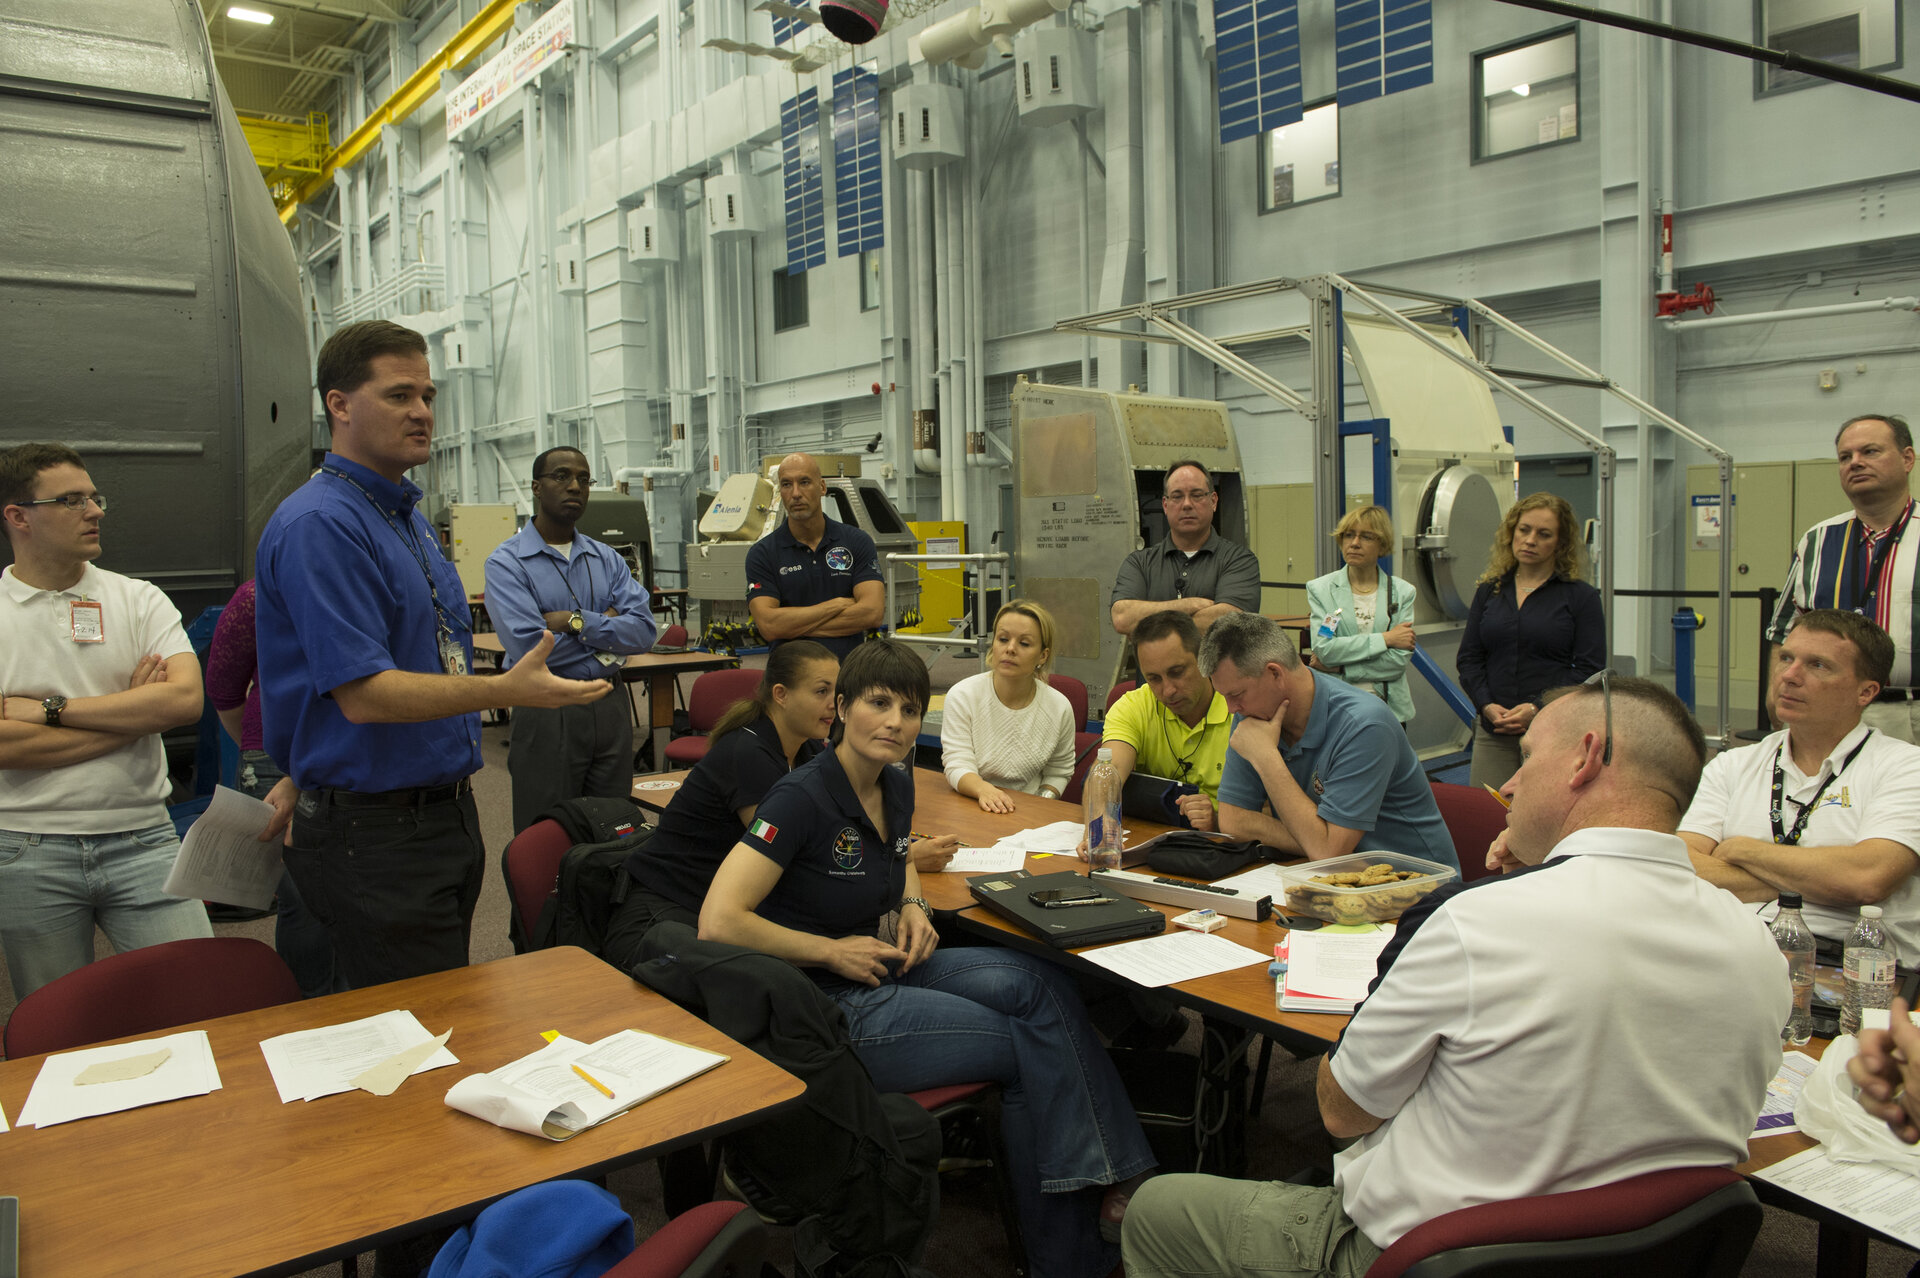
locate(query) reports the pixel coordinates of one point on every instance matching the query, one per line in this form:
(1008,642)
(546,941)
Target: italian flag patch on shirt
(762,830)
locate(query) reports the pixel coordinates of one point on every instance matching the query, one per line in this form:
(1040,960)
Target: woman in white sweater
(1007,729)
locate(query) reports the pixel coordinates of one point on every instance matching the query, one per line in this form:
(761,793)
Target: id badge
(453,658)
(85,618)
(609,658)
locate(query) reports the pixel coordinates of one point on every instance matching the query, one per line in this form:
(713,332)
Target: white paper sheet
(309,1064)
(1878,1196)
(222,857)
(3,1120)
(1061,836)
(993,860)
(55,1098)
(1776,1115)
(1334,964)
(541,1095)
(1175,957)
(1261,880)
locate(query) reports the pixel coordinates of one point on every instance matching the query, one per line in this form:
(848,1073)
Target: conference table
(235,1182)
(658,670)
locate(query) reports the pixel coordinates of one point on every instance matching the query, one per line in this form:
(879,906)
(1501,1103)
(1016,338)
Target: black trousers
(395,887)
(571,752)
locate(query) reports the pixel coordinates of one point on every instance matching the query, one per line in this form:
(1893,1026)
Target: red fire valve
(1671,304)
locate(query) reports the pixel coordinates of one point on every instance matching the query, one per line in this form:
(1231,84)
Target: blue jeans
(299,937)
(989,1014)
(55,887)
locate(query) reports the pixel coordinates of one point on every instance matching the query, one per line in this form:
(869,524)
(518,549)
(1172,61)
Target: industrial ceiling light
(249,15)
(1522,90)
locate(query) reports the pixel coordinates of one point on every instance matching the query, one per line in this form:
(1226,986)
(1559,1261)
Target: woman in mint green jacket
(1363,618)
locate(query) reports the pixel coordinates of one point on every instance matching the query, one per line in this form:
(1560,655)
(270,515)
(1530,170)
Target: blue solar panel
(800,169)
(1257,56)
(856,160)
(785,29)
(1381,46)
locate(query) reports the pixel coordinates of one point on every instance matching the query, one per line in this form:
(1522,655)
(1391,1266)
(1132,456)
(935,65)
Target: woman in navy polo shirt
(756,743)
(825,859)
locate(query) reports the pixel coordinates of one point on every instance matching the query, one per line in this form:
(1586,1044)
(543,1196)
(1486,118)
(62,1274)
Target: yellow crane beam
(471,40)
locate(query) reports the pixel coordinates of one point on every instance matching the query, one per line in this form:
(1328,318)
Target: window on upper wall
(1526,95)
(1300,162)
(789,300)
(870,280)
(1864,34)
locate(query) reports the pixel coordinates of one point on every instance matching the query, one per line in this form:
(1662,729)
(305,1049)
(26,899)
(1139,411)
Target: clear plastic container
(1308,893)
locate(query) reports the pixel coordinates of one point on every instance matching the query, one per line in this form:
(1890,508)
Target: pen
(1496,794)
(598,1086)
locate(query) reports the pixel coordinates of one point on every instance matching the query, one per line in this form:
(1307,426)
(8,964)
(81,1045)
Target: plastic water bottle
(1790,933)
(1101,794)
(1868,968)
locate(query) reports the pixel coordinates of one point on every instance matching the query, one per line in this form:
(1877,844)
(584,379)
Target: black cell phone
(1056,898)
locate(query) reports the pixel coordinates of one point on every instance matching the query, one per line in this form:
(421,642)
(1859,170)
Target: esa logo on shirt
(839,559)
(846,848)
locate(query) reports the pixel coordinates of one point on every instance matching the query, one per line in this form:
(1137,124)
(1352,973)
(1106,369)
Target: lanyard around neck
(440,617)
(1791,838)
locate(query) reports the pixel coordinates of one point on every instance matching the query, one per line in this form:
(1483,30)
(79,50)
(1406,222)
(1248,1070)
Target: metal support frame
(1324,407)
(981,639)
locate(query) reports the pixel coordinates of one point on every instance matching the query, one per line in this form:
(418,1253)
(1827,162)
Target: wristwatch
(576,623)
(53,706)
(920,901)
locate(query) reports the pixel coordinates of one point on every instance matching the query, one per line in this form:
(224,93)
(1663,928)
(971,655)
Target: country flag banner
(762,830)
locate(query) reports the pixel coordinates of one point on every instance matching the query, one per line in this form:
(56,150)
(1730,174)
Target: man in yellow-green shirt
(1175,725)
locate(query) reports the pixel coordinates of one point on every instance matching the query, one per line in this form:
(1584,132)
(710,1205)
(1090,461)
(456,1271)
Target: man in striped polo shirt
(1868,561)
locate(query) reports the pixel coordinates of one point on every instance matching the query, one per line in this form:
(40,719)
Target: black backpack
(592,880)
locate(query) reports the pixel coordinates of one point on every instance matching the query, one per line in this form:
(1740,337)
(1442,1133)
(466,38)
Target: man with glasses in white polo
(94,666)
(1194,570)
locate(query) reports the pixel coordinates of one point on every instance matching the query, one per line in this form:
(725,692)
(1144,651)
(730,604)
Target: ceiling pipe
(1802,312)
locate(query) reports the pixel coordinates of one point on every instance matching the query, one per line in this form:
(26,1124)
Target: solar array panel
(1258,58)
(800,168)
(856,160)
(1381,47)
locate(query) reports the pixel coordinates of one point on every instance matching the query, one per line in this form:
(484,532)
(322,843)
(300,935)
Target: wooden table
(1244,996)
(659,670)
(672,598)
(234,1182)
(655,790)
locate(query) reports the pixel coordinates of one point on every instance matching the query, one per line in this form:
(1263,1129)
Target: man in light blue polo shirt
(1331,761)
(547,577)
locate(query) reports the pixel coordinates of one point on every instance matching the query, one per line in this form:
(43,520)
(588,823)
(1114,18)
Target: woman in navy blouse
(1535,624)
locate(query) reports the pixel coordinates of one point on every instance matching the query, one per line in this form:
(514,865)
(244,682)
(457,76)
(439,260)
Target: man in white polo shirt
(1485,1065)
(93,668)
(1827,807)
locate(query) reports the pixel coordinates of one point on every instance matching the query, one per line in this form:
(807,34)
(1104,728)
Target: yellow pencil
(598,1086)
(1496,794)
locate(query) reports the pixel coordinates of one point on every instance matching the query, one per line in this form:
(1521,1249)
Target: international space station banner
(512,67)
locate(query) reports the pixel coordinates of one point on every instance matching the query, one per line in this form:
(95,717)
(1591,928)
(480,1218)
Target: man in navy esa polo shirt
(365,702)
(1331,760)
(813,577)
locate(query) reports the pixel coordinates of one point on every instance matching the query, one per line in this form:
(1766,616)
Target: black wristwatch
(53,706)
(576,623)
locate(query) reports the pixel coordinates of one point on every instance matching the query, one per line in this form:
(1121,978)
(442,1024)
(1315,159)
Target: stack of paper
(222,857)
(1328,971)
(1174,957)
(106,1080)
(309,1064)
(1011,852)
(553,1091)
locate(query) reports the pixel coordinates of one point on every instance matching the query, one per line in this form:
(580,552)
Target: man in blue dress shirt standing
(365,699)
(547,577)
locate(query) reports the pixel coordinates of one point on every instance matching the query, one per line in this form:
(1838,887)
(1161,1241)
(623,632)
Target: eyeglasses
(567,478)
(1195,497)
(72,501)
(1605,679)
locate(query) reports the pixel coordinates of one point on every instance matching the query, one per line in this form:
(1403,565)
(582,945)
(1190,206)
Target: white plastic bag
(1829,1111)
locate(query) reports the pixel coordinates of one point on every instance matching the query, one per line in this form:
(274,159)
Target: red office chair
(713,1240)
(1120,690)
(1475,819)
(714,693)
(1084,753)
(1685,1222)
(146,990)
(959,1104)
(672,639)
(1076,695)
(531,865)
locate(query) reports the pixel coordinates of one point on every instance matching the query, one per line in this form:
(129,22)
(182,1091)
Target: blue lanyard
(442,621)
